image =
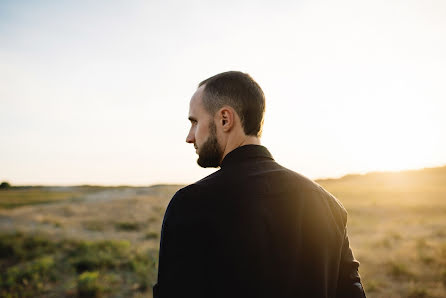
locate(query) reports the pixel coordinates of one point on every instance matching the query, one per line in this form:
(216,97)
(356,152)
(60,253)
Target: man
(253,228)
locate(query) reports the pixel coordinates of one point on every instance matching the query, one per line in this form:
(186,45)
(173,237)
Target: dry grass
(397,227)
(133,215)
(16,197)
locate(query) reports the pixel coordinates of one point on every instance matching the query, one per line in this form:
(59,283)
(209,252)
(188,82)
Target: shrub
(65,268)
(127,226)
(151,235)
(144,267)
(90,256)
(88,285)
(5,185)
(18,247)
(30,276)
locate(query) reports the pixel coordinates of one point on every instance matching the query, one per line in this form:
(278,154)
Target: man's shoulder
(186,191)
(309,188)
(189,194)
(296,180)
(182,202)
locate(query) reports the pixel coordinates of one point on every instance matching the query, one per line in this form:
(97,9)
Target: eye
(193,121)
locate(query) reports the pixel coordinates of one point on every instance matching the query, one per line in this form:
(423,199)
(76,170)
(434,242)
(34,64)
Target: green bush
(88,285)
(29,277)
(144,267)
(151,235)
(34,266)
(5,185)
(127,226)
(18,247)
(90,256)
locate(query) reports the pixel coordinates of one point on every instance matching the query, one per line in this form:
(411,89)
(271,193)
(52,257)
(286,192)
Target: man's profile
(253,228)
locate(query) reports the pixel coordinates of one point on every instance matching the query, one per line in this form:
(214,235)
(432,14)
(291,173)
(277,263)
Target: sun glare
(397,138)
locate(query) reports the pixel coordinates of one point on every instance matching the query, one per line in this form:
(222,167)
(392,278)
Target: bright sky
(98,91)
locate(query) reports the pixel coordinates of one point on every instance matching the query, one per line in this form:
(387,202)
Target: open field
(397,228)
(103,241)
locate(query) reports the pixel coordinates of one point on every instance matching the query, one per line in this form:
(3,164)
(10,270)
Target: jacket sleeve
(349,283)
(179,261)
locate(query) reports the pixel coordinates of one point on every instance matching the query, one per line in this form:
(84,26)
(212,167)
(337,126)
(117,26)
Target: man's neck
(245,140)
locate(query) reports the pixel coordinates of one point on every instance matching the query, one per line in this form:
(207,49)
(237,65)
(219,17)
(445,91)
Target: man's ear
(226,118)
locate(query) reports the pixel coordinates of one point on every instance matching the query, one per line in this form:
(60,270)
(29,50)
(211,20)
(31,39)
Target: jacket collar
(245,152)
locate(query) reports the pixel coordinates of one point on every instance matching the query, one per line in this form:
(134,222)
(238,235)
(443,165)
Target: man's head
(225,112)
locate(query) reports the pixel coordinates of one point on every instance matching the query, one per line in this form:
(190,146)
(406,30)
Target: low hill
(425,187)
(412,179)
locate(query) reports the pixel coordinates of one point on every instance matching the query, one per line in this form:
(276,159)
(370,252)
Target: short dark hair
(239,91)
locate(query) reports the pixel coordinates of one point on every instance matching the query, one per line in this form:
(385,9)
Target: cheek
(200,133)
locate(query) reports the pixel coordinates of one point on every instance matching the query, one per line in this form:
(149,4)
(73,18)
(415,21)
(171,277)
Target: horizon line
(182,184)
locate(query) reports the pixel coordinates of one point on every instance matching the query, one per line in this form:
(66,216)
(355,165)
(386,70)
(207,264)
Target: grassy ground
(397,224)
(16,197)
(104,242)
(34,265)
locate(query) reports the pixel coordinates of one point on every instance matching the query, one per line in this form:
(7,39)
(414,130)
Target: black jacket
(255,229)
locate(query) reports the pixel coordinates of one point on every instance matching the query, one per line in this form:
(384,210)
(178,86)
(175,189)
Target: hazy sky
(98,91)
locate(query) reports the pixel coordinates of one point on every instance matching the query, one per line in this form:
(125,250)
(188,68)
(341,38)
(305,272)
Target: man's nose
(190,138)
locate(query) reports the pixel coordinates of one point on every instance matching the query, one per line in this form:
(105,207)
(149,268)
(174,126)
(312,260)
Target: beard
(210,152)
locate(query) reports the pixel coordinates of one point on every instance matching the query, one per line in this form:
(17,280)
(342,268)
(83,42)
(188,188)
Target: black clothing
(255,229)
